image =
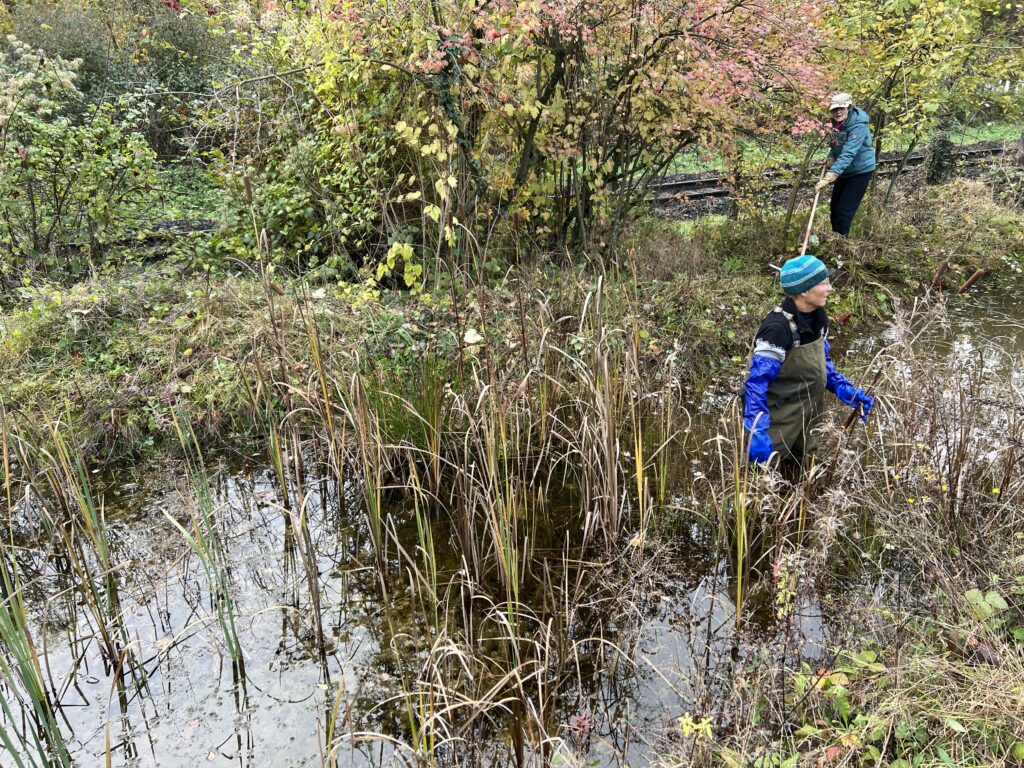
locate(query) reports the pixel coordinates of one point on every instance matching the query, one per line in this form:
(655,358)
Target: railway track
(682,190)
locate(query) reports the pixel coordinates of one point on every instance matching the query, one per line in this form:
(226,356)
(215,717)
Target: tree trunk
(899,170)
(801,174)
(879,127)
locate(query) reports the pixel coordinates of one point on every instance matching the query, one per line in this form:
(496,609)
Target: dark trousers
(847,193)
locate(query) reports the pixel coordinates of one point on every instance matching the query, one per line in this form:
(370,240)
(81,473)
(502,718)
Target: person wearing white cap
(850,162)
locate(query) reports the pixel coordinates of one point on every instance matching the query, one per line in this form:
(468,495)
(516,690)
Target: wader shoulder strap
(792,325)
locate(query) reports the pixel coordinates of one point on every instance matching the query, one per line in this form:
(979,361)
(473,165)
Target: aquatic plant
(40,743)
(205,541)
(25,688)
(514,532)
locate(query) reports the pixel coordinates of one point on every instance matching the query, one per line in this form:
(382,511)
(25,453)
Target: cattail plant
(25,688)
(373,462)
(76,520)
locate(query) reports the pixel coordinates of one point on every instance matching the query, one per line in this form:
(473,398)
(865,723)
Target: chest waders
(796,399)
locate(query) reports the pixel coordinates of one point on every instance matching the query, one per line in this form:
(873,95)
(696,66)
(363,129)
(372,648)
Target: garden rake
(810,220)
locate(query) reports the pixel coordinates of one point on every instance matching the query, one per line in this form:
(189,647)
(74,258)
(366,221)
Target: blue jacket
(852,151)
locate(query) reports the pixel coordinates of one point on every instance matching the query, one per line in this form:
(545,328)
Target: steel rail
(717,186)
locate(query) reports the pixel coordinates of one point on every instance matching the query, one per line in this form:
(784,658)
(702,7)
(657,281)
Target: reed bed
(45,475)
(926,666)
(479,456)
(543,493)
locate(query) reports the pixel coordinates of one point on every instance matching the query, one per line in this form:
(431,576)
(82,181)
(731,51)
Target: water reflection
(619,648)
(190,705)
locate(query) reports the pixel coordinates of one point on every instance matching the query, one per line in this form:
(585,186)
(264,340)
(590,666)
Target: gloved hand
(829,161)
(853,397)
(760,446)
(866,402)
(827,179)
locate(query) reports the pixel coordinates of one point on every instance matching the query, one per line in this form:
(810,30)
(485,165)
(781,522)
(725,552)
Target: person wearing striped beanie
(791,367)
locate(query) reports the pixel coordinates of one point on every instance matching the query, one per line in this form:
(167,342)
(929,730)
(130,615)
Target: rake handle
(810,219)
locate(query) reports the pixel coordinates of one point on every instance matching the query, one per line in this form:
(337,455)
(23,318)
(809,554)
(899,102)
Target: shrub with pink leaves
(509,125)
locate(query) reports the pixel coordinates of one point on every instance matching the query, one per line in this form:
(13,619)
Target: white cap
(840,101)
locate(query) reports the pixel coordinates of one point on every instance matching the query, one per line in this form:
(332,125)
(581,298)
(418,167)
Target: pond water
(650,638)
(196,709)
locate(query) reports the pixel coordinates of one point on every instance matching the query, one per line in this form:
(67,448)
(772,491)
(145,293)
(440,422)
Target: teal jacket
(852,151)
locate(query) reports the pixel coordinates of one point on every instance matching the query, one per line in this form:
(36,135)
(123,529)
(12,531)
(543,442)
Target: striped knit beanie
(801,274)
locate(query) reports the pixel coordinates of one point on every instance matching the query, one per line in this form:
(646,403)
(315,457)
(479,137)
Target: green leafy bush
(72,179)
(316,202)
(166,58)
(480,134)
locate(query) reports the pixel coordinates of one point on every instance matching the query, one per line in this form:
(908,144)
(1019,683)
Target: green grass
(990,131)
(187,192)
(689,227)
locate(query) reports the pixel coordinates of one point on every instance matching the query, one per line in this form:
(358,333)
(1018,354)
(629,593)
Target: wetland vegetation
(418,443)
